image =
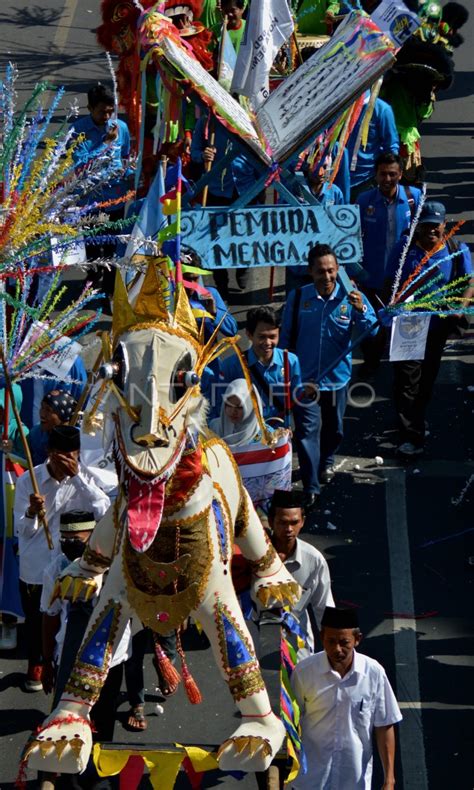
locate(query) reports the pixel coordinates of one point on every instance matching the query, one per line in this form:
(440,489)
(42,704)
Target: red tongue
(145,509)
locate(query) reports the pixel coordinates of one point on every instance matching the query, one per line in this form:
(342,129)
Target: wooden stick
(298,48)
(208,165)
(212,139)
(29,460)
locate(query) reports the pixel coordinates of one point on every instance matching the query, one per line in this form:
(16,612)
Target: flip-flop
(138,714)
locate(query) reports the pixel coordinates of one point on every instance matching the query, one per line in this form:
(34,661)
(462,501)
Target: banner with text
(271,235)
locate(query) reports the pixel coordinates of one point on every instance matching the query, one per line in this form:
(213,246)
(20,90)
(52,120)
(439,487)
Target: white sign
(269,25)
(70,255)
(60,363)
(408,339)
(212,93)
(320,89)
(395,20)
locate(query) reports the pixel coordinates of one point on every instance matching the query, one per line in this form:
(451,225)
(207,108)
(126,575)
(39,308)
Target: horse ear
(150,303)
(123,316)
(183,314)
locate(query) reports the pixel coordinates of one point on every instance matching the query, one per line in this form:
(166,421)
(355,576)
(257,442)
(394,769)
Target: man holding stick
(62,485)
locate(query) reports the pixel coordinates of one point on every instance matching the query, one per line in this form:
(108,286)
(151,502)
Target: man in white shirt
(345,700)
(305,563)
(64,486)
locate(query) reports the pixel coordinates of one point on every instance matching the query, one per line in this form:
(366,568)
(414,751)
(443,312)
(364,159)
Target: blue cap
(432,212)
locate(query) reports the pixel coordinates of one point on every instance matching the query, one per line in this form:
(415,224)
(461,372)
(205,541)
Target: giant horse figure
(167,541)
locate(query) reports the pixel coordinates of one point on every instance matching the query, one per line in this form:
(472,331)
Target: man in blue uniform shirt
(266,365)
(318,321)
(385,213)
(104,135)
(236,178)
(382,137)
(265,361)
(326,195)
(414,379)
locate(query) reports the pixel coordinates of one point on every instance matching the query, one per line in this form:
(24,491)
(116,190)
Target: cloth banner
(227,63)
(263,469)
(269,25)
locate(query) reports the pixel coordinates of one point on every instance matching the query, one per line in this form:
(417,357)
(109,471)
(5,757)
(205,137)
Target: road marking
(64,25)
(406,658)
(433,706)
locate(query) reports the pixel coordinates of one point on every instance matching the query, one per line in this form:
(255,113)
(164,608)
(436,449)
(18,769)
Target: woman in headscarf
(238,424)
(57,408)
(12,444)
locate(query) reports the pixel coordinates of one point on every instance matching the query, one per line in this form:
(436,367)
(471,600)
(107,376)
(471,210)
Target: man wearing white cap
(345,699)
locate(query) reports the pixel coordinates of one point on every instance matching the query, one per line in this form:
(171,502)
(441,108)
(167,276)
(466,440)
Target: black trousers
(373,347)
(413,383)
(30,600)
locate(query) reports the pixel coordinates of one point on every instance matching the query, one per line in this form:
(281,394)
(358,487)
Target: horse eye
(119,359)
(182,378)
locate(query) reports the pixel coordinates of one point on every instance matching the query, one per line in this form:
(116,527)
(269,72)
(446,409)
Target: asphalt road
(397,536)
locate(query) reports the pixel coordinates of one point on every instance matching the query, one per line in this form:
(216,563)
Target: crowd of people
(299,365)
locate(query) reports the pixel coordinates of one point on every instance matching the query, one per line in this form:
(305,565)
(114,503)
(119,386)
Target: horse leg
(256,741)
(64,742)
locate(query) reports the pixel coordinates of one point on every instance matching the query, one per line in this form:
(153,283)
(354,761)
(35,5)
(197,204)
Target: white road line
(406,658)
(64,25)
(433,706)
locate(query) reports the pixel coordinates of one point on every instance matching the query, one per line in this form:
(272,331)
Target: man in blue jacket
(382,136)
(318,322)
(386,213)
(414,380)
(224,187)
(266,364)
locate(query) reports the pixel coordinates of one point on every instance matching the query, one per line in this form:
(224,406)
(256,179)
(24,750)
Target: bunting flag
(171,202)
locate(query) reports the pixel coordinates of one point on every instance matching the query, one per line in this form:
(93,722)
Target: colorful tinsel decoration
(48,201)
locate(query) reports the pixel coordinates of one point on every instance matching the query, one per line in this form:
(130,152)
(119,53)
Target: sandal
(136,719)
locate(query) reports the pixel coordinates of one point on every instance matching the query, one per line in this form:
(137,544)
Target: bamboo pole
(86,391)
(29,460)
(212,139)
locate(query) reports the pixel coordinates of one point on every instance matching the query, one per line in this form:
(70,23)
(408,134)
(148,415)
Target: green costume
(311,16)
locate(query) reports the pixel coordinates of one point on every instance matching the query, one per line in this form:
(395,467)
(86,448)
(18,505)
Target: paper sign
(72,255)
(395,20)
(60,363)
(408,339)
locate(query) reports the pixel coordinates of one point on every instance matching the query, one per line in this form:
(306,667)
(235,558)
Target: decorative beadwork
(238,658)
(95,559)
(265,562)
(91,666)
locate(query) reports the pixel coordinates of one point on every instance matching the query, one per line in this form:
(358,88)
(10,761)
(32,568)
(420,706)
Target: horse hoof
(61,746)
(252,747)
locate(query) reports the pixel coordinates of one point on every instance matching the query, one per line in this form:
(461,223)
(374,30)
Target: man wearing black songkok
(64,485)
(345,699)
